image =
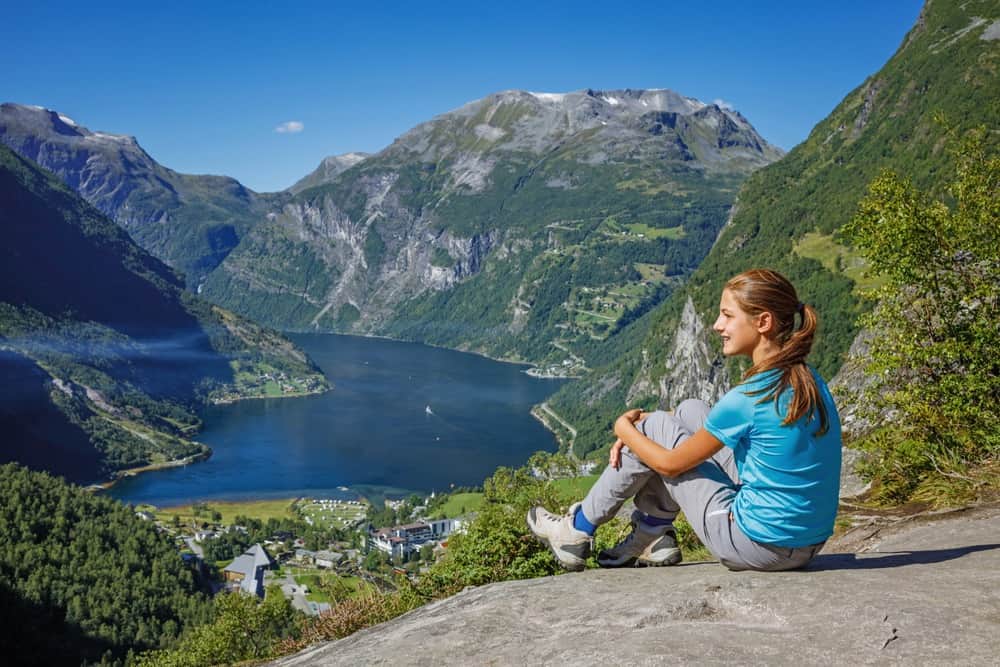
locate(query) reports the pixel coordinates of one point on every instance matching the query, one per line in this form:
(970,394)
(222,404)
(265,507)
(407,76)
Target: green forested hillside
(522,225)
(107,337)
(789,215)
(82,578)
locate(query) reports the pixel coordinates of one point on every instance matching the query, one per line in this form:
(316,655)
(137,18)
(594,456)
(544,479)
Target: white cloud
(722,104)
(290,127)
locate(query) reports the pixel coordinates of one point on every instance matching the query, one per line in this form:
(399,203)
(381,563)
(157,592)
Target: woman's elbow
(666,468)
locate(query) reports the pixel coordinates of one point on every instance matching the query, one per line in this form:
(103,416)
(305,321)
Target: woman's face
(738,329)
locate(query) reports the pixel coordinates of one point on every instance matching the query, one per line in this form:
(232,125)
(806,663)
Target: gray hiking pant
(704,493)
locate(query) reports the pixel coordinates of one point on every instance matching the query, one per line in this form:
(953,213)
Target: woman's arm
(669,462)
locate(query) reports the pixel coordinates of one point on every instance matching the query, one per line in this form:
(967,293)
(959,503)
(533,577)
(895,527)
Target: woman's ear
(765,322)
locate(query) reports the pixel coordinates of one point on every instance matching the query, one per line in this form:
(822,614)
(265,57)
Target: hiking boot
(570,546)
(645,546)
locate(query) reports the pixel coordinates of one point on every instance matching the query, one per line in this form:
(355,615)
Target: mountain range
(520,225)
(588,232)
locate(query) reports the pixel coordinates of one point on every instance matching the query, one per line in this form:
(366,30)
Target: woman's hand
(635,415)
(626,422)
(615,458)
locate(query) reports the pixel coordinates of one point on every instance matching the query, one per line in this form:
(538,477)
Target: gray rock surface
(923,591)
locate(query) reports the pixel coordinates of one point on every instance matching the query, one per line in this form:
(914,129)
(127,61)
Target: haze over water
(372,433)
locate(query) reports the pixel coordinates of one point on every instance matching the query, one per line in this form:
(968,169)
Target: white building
(400,541)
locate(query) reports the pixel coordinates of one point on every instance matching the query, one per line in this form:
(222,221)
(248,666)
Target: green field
(330,587)
(574,488)
(651,272)
(254,509)
(327,586)
(835,258)
(648,232)
(459,504)
(570,488)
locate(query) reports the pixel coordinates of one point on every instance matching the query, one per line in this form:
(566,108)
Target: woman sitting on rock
(757,475)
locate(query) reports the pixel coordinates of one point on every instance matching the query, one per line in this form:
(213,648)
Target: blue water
(372,433)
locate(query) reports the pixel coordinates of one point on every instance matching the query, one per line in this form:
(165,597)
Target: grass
(651,272)
(255,509)
(459,504)
(835,258)
(650,188)
(574,488)
(314,583)
(672,233)
(331,587)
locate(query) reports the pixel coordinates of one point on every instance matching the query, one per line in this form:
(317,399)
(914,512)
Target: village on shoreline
(316,551)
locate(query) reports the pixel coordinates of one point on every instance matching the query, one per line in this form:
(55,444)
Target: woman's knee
(663,428)
(691,413)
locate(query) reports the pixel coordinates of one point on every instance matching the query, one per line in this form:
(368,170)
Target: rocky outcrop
(923,591)
(328,170)
(693,369)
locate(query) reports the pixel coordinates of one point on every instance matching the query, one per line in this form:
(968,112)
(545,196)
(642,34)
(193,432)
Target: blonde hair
(763,290)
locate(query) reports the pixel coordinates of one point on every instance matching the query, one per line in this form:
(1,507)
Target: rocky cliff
(923,590)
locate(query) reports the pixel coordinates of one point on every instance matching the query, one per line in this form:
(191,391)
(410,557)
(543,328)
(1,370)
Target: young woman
(757,475)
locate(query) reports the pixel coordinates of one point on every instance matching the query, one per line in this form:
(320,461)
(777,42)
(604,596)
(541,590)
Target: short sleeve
(731,418)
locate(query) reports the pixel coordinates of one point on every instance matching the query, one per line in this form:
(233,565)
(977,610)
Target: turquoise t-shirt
(789,476)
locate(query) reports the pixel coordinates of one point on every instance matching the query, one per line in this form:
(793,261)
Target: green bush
(933,356)
(496,545)
(243,628)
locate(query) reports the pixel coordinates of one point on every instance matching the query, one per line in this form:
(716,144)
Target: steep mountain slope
(788,213)
(517,221)
(189,222)
(104,334)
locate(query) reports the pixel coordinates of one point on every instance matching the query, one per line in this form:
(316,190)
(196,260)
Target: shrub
(934,359)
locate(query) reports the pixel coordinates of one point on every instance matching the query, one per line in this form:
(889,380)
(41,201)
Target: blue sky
(203,86)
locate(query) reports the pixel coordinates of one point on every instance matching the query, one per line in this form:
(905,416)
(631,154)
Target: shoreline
(546,375)
(532,366)
(300,394)
(119,475)
(542,412)
(531,370)
(204,455)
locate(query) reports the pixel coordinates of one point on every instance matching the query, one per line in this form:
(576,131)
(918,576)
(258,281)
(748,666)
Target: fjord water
(372,433)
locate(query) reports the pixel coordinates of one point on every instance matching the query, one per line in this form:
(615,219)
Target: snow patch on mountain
(556,98)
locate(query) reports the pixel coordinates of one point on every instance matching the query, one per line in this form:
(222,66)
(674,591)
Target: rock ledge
(921,591)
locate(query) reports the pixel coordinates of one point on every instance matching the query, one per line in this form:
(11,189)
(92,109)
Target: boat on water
(428,410)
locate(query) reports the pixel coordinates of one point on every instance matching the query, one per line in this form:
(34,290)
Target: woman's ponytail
(760,290)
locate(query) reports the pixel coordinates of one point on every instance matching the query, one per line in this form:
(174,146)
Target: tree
(83,579)
(243,629)
(934,350)
(375,560)
(496,546)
